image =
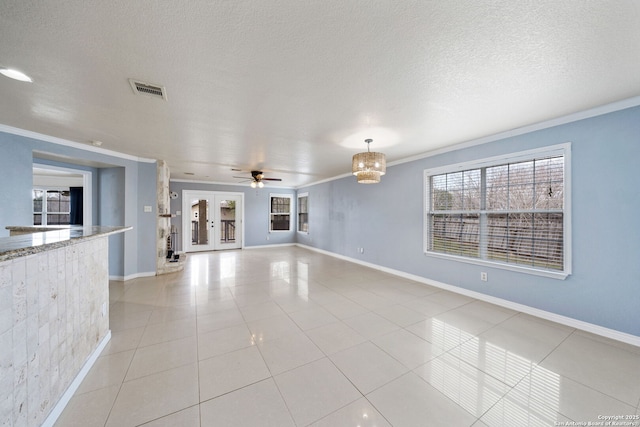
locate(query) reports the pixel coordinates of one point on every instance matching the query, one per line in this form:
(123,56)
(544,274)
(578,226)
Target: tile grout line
(127,370)
(451,352)
(198,361)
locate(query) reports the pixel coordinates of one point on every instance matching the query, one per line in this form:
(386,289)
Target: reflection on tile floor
(289,337)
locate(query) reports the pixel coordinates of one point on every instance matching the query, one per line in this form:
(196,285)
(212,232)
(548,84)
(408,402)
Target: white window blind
(280,212)
(303,213)
(509,213)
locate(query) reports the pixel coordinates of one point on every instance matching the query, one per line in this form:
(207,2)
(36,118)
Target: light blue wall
(387,221)
(111,182)
(138,188)
(256,211)
(147,224)
(15,202)
(604,288)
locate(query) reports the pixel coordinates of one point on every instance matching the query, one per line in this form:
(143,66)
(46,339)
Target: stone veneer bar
(54,314)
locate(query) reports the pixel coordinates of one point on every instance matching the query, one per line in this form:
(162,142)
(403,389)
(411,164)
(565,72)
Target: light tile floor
(289,337)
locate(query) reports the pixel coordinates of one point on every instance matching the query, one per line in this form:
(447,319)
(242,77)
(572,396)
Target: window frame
(299,212)
(564,150)
(44,213)
(271,213)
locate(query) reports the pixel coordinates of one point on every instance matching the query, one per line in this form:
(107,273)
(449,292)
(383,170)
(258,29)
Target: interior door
(227,230)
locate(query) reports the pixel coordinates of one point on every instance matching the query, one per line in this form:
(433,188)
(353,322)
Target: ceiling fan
(256,179)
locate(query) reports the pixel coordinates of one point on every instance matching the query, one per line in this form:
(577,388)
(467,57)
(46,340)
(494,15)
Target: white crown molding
(569,118)
(72,144)
(334,178)
(197,181)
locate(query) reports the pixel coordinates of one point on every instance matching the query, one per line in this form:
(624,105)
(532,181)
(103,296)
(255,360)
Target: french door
(212,220)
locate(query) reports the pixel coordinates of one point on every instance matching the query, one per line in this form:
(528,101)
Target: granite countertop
(41,241)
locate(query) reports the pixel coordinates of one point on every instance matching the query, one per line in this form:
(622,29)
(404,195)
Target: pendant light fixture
(368,166)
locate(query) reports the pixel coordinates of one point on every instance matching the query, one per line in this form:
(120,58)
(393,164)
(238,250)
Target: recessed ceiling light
(15,74)
(96,143)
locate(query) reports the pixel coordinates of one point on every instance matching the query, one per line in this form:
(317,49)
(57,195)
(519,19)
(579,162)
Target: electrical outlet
(267,237)
(483,276)
(148,208)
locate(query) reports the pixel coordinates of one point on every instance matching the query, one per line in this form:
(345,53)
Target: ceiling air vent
(149,89)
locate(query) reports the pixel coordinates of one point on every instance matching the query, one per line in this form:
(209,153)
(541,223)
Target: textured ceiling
(294,87)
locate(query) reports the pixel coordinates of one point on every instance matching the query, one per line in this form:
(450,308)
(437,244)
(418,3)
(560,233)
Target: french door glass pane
(227,221)
(199,222)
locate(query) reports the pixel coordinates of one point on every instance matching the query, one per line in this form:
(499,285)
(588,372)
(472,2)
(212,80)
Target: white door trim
(209,195)
(87,189)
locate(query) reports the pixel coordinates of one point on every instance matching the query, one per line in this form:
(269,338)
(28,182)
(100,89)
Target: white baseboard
(68,394)
(547,315)
(132,276)
(277,245)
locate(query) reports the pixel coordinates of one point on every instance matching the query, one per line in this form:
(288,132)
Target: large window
(303,212)
(51,207)
(511,211)
(280,212)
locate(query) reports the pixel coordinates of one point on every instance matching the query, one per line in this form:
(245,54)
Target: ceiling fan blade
(271,179)
(243,180)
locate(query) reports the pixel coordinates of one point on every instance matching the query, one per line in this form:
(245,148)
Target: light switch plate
(148,208)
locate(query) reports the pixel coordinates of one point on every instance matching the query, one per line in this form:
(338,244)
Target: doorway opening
(61,196)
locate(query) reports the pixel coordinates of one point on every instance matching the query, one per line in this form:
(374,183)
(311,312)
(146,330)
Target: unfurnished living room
(304,213)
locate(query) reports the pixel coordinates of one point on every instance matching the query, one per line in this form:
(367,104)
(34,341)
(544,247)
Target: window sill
(560,275)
